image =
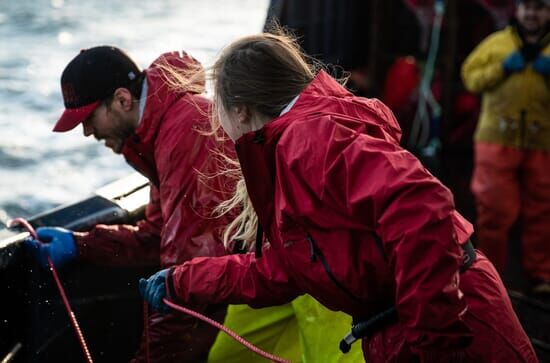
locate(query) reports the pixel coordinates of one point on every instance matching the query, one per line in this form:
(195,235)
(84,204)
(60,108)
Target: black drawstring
(259,240)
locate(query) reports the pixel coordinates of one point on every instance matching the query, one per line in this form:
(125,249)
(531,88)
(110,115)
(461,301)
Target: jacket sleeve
(233,279)
(482,70)
(124,245)
(384,188)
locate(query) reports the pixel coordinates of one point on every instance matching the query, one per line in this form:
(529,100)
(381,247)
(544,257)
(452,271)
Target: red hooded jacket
(353,220)
(169,149)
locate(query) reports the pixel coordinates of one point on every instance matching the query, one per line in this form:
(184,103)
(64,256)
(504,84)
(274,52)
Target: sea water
(40,169)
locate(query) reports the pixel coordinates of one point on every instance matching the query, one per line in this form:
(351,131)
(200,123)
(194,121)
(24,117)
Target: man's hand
(153,291)
(55,243)
(513,63)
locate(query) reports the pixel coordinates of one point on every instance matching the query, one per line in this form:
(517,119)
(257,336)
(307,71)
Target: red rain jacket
(170,150)
(357,222)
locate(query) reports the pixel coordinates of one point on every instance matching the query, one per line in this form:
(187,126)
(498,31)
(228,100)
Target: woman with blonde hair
(352,219)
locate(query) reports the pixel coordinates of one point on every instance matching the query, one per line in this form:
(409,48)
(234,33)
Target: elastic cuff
(169,283)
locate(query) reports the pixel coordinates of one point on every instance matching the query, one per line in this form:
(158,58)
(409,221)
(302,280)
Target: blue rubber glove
(153,291)
(56,243)
(542,65)
(513,63)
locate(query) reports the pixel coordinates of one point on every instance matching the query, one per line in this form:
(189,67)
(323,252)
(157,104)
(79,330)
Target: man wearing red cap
(512,142)
(157,130)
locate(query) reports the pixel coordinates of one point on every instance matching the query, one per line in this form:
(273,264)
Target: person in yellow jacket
(511,180)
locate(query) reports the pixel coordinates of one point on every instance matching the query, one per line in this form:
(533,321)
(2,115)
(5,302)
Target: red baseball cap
(91,77)
(71,117)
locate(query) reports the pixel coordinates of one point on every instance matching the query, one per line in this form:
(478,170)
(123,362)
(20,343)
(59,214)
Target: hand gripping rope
(72,316)
(195,314)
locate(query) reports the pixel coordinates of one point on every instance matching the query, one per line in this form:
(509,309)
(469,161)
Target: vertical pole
(450,67)
(374,44)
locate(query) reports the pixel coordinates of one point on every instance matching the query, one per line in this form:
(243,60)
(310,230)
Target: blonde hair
(264,72)
(243,227)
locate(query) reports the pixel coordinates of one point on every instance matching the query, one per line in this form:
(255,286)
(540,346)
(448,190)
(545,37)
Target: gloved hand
(513,63)
(56,243)
(153,290)
(542,65)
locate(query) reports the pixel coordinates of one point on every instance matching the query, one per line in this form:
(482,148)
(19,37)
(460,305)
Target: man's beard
(532,32)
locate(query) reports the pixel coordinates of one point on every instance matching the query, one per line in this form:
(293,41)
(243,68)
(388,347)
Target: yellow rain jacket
(302,332)
(516,107)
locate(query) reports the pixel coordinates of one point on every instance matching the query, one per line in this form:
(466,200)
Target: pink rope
(72,316)
(226,330)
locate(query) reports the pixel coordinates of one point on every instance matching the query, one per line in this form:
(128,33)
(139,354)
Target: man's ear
(243,113)
(123,99)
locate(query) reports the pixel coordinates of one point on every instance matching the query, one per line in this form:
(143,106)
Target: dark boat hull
(105,300)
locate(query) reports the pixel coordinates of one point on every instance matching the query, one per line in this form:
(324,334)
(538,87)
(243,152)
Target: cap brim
(73,116)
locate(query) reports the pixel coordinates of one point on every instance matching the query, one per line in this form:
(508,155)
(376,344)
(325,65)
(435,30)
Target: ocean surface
(40,169)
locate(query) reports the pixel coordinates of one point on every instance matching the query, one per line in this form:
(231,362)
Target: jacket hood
(161,95)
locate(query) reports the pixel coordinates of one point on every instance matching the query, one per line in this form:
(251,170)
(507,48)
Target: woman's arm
(233,279)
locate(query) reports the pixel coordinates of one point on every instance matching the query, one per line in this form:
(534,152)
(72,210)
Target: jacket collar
(139,148)
(321,87)
(161,95)
(256,150)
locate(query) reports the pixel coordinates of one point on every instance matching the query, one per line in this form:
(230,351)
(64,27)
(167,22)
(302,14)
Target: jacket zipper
(317,253)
